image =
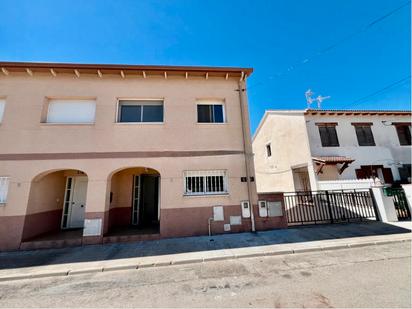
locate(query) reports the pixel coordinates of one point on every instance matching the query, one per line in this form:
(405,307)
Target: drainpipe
(247,144)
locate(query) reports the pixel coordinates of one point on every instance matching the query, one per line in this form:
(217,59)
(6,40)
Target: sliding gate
(316,207)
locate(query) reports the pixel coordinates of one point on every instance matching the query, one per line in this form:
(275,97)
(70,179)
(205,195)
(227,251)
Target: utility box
(274,209)
(218,213)
(245,209)
(92,227)
(263,210)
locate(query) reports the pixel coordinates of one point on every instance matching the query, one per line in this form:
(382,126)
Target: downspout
(247,144)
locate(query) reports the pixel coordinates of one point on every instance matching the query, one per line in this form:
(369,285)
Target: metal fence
(316,207)
(400,202)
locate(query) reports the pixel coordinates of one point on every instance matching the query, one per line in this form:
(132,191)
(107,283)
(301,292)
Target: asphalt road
(374,276)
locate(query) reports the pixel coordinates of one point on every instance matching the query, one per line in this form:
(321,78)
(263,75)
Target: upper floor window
(328,135)
(140,111)
(210,112)
(2,105)
(205,182)
(4,186)
(404,133)
(268,150)
(364,134)
(71,111)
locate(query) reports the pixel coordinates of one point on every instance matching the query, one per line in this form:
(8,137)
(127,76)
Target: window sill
(138,123)
(212,123)
(207,195)
(51,124)
(3,204)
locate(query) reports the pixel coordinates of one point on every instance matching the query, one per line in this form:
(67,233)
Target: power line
(336,44)
(398,82)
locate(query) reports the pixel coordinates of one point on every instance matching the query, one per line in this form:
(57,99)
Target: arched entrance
(56,205)
(134,201)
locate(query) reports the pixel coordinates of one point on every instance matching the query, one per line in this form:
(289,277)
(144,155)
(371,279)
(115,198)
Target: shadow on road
(90,253)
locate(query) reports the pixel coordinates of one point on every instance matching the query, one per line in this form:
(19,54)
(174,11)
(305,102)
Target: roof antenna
(310,100)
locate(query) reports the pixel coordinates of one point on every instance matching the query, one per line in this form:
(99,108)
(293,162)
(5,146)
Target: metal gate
(400,202)
(316,207)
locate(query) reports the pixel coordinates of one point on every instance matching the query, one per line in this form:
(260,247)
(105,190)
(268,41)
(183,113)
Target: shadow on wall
(194,244)
(46,202)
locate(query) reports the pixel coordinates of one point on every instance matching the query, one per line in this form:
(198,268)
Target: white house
(301,150)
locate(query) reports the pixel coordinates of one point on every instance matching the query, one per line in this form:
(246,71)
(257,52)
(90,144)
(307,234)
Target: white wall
(386,151)
(345,184)
(288,138)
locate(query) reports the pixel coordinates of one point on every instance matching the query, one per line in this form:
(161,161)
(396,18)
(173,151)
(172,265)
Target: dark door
(387,175)
(148,212)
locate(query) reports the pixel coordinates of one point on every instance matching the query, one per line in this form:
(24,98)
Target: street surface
(373,276)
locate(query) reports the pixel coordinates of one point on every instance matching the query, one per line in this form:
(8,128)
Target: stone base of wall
(270,223)
(11,230)
(41,223)
(120,216)
(179,222)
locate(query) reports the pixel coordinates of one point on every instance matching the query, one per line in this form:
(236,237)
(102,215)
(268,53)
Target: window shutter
(364,135)
(328,136)
(324,137)
(404,134)
(333,136)
(71,111)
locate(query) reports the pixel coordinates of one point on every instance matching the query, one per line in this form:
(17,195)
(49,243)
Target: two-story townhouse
(301,150)
(98,153)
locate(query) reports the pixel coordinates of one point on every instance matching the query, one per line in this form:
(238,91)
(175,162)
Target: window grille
(205,182)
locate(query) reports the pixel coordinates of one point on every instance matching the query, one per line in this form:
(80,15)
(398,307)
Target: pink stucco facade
(37,157)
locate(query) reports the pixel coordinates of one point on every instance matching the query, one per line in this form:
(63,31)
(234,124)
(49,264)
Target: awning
(331,160)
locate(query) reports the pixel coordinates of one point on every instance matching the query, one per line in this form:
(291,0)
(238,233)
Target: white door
(78,202)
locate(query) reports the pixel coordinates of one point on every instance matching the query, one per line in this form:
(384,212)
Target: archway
(56,204)
(134,201)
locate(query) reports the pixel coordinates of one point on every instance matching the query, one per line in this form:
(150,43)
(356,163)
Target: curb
(138,265)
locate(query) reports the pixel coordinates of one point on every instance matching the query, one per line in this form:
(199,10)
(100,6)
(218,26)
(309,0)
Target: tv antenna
(319,99)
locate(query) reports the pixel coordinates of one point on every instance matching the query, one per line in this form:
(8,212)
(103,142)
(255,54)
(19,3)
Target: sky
(285,41)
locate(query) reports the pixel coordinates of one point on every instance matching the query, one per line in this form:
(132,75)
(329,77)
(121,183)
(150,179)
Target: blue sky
(270,36)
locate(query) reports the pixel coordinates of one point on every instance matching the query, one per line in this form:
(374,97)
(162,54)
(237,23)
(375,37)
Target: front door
(78,202)
(145,210)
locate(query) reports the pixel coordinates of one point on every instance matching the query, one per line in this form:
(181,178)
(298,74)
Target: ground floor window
(205,182)
(4,186)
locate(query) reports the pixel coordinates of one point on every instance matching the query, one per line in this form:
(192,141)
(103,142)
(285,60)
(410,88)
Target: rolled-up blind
(2,104)
(71,111)
(4,186)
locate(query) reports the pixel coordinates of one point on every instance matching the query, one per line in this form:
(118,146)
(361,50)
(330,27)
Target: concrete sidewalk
(98,258)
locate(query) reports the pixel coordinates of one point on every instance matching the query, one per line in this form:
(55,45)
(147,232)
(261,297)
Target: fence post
(374,204)
(329,207)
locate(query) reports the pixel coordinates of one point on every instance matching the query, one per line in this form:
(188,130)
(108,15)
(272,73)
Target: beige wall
(122,185)
(329,172)
(22,133)
(288,138)
(47,193)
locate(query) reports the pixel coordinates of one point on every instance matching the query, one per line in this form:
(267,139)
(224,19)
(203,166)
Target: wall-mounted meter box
(263,210)
(245,209)
(218,213)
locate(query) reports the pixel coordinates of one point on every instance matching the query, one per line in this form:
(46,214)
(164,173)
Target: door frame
(68,200)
